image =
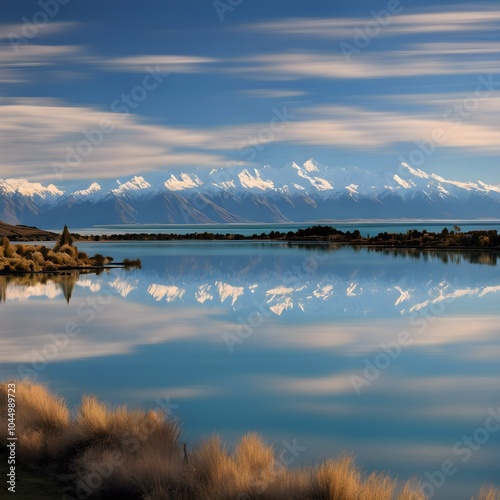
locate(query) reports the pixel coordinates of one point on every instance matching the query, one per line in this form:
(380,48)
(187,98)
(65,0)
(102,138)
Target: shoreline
(66,272)
(481,239)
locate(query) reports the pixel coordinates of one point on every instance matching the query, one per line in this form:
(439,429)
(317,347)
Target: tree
(65,238)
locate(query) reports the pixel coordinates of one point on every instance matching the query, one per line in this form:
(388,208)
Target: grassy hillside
(25,233)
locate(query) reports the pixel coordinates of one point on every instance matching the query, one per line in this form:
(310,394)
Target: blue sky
(104,89)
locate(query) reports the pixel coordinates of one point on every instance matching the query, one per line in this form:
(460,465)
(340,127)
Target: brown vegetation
(124,453)
(37,258)
(25,233)
(18,258)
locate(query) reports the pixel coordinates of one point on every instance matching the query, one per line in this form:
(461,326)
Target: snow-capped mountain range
(308,192)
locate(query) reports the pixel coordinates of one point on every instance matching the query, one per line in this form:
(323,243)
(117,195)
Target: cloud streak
(36,133)
(416,61)
(16,66)
(167,63)
(476,20)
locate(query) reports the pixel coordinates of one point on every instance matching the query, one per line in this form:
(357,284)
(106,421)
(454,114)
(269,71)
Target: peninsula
(64,256)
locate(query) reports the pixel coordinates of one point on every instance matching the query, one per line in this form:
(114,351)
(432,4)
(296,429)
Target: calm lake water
(290,341)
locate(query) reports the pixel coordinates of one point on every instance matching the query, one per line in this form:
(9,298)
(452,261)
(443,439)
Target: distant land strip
(414,238)
(25,233)
(446,239)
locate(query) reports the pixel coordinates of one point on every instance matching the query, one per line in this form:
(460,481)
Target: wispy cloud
(454,48)
(14,32)
(402,24)
(35,133)
(167,63)
(412,62)
(272,93)
(15,65)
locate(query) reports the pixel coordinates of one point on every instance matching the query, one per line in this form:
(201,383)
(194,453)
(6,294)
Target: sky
(92,89)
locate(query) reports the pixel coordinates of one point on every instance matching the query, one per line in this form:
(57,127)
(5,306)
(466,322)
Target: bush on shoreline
(131,453)
(18,258)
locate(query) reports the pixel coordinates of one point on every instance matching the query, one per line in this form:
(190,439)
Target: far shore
(484,240)
(455,239)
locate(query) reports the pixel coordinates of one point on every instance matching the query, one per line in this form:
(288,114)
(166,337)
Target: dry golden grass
(338,479)
(124,453)
(411,491)
(42,421)
(38,409)
(254,461)
(131,450)
(214,472)
(378,487)
(96,422)
(290,485)
(489,493)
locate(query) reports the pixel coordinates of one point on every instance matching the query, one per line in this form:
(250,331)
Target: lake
(391,355)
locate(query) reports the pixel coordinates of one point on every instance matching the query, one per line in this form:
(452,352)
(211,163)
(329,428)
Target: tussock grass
(136,451)
(131,453)
(42,421)
(488,493)
(338,480)
(411,491)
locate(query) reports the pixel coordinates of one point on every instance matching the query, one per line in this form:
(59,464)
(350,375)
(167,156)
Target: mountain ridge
(293,193)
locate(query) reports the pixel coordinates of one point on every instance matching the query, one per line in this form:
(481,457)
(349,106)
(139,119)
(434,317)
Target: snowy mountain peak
(135,184)
(403,183)
(294,166)
(414,171)
(27,188)
(242,194)
(183,181)
(311,166)
(92,189)
(247,180)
